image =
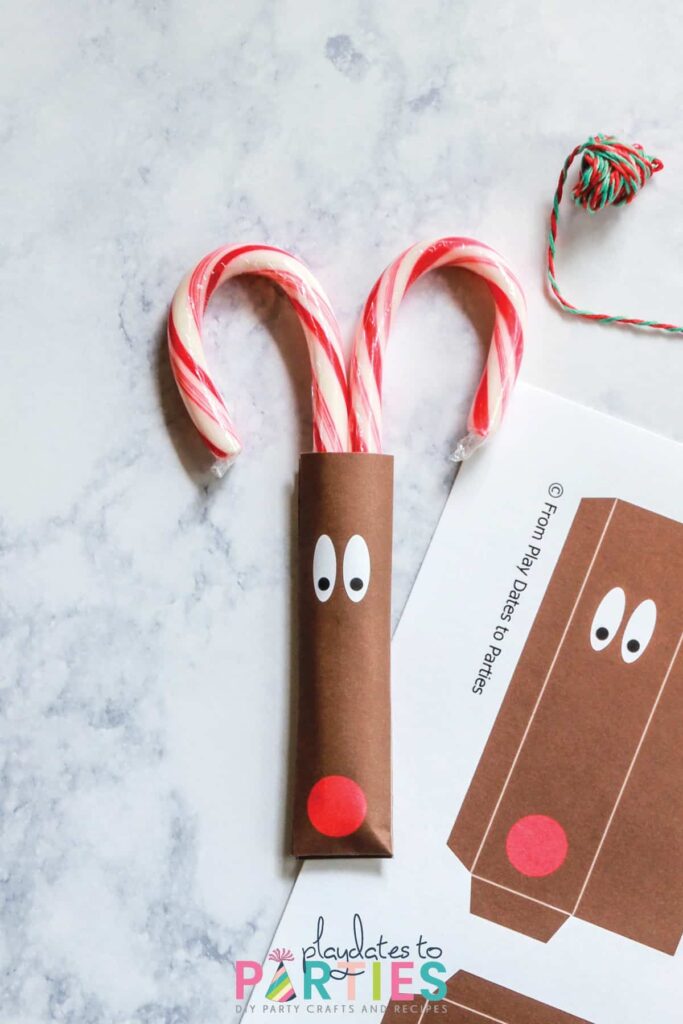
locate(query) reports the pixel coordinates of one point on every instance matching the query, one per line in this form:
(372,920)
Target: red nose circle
(336,806)
(536,845)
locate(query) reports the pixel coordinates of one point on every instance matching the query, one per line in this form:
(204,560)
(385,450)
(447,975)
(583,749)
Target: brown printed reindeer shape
(576,807)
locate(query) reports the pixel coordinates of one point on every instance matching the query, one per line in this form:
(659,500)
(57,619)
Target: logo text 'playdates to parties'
(360,970)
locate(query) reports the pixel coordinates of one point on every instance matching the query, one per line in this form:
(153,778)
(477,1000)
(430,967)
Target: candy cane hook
(199,392)
(505,353)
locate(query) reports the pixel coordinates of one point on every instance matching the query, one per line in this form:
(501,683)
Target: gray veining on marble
(145,611)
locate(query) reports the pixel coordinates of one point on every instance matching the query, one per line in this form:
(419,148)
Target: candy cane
(198,390)
(505,353)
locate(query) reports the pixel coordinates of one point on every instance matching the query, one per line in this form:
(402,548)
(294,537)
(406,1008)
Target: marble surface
(145,611)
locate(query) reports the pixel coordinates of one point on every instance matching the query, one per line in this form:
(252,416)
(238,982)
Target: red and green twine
(612,174)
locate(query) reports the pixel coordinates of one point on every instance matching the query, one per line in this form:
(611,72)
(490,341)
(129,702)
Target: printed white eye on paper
(639,630)
(356,568)
(607,618)
(324,568)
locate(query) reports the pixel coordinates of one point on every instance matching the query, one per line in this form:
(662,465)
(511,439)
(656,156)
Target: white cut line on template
(461,1006)
(544,687)
(628,775)
(424,1010)
(477,1013)
(523,895)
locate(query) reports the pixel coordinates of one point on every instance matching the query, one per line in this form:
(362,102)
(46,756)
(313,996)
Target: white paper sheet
(441,726)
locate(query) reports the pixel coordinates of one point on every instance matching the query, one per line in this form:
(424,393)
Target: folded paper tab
(576,807)
(342,795)
(473,1000)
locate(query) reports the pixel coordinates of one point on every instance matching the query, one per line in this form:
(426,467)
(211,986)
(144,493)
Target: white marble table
(146,609)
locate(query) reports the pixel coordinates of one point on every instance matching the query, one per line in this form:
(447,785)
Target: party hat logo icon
(281,989)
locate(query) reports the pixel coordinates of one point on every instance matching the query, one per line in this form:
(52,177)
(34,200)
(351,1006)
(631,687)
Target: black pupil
(633,646)
(323,583)
(356,584)
(602,633)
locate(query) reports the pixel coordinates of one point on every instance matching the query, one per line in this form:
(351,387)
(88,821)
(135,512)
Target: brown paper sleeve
(342,786)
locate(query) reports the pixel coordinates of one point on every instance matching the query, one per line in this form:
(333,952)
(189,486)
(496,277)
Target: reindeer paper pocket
(576,807)
(342,790)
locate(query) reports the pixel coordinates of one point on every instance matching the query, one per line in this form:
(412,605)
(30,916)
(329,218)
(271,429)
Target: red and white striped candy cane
(198,390)
(505,353)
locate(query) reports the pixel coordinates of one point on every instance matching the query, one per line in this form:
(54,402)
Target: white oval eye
(356,568)
(324,568)
(639,630)
(607,618)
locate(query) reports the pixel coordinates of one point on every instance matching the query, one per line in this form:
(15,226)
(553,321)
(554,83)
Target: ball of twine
(612,173)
